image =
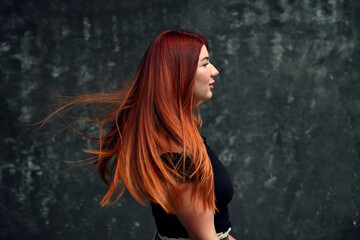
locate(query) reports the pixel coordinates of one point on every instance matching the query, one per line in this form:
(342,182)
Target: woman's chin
(204,97)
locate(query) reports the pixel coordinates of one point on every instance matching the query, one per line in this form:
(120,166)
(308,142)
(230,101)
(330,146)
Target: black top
(169,225)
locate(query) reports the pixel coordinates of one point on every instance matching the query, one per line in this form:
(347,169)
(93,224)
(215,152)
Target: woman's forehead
(203,53)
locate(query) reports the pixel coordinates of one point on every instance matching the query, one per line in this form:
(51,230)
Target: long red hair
(156,107)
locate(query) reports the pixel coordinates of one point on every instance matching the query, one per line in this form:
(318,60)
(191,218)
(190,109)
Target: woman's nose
(214,71)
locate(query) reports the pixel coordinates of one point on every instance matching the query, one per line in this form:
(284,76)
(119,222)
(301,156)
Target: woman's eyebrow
(205,58)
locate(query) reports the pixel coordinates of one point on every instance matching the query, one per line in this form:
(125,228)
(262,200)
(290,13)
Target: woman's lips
(212,85)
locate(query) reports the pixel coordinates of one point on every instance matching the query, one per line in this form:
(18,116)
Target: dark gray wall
(284,119)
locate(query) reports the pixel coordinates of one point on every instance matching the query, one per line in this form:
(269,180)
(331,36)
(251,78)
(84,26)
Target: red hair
(156,106)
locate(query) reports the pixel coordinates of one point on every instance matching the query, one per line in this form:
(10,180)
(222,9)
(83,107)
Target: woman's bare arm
(199,223)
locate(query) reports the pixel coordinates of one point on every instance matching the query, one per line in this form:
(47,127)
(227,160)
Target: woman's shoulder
(174,157)
(175,152)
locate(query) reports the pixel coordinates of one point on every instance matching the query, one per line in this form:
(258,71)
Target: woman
(149,141)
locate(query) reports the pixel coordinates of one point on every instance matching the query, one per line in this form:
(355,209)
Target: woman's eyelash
(205,64)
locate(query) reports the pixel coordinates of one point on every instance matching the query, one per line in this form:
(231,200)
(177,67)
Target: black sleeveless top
(169,225)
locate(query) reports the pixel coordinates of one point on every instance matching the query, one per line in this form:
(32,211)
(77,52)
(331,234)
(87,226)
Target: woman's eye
(206,64)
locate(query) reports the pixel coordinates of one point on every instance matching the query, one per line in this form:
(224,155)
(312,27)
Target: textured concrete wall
(284,119)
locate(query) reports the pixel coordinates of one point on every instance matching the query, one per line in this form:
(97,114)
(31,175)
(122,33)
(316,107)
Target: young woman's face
(204,75)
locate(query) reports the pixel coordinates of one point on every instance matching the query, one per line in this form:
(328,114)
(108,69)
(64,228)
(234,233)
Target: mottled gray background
(284,119)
